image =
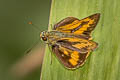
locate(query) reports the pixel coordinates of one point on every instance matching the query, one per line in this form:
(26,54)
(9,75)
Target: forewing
(76,26)
(69,55)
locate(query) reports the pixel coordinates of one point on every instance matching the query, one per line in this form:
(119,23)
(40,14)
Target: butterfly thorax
(51,37)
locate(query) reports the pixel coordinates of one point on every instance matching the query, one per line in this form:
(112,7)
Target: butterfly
(71,41)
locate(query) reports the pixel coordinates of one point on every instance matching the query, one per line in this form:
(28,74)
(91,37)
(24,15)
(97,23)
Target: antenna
(28,20)
(35,26)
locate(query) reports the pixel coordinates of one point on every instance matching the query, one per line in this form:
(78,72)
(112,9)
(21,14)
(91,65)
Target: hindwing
(72,52)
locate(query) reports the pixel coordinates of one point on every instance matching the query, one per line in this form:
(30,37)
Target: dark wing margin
(64,22)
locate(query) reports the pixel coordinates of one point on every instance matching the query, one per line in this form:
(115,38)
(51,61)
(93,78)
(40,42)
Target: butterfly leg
(50,54)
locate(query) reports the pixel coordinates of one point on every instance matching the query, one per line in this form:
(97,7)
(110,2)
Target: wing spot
(75,56)
(64,50)
(81,61)
(73,62)
(62,55)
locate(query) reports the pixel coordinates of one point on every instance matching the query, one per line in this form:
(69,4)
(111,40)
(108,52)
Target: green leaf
(103,63)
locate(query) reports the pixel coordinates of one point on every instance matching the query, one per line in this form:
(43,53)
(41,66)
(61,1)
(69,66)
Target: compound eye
(44,38)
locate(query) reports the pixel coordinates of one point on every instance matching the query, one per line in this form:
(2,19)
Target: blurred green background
(16,36)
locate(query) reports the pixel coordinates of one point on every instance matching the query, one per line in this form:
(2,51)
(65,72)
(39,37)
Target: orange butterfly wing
(69,58)
(72,52)
(76,26)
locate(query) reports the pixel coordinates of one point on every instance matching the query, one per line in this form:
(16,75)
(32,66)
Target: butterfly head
(44,35)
